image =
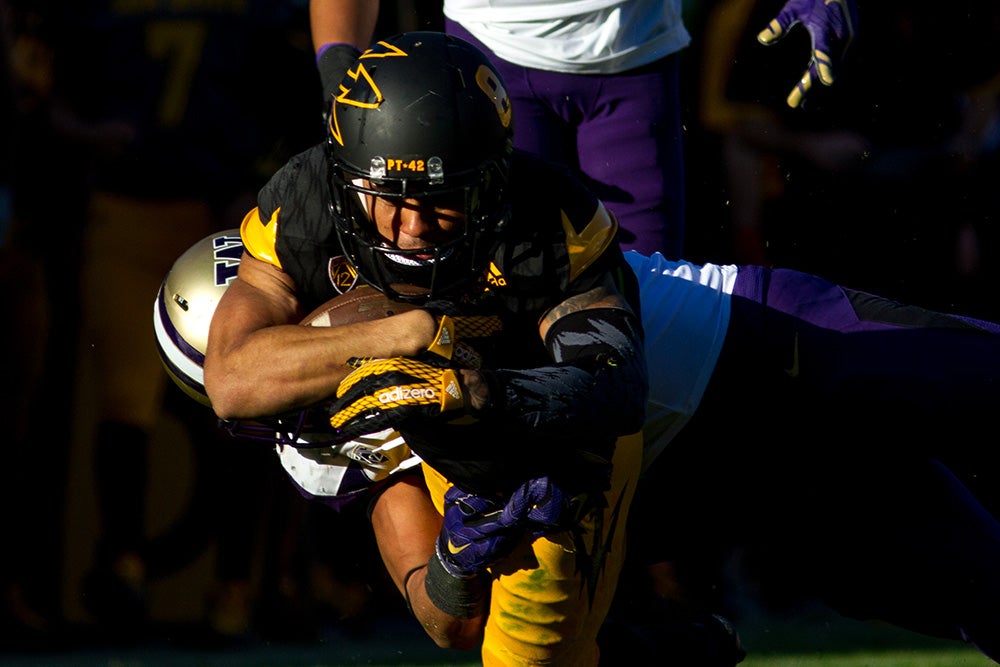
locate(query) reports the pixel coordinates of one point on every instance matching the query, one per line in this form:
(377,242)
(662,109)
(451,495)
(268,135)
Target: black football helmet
(424,116)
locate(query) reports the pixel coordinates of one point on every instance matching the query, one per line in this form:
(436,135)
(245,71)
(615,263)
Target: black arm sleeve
(597,387)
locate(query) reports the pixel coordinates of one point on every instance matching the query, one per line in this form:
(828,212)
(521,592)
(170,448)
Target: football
(359,305)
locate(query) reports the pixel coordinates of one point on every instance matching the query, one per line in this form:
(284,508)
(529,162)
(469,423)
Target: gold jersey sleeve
(586,245)
(259,237)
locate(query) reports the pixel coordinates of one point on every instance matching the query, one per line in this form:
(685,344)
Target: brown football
(359,305)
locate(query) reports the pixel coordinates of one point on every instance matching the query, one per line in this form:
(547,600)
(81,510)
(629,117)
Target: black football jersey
(560,241)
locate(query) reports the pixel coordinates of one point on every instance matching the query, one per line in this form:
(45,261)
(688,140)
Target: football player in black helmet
(417,185)
(399,131)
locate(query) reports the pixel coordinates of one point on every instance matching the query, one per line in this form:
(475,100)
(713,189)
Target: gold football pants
(550,597)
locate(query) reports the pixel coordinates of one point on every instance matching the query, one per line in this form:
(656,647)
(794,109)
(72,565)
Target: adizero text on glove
(383,393)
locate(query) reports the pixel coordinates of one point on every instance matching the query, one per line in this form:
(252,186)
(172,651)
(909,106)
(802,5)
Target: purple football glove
(479,531)
(538,505)
(831,28)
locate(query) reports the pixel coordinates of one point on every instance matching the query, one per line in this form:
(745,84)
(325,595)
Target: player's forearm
(446,630)
(342,22)
(278,369)
(598,387)
(406,526)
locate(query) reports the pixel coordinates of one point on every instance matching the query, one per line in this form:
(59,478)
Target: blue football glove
(478,531)
(383,393)
(831,28)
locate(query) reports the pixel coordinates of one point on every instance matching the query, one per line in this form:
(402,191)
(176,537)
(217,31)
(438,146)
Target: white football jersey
(574,36)
(685,314)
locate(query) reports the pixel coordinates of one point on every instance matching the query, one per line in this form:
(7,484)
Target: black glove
(333,62)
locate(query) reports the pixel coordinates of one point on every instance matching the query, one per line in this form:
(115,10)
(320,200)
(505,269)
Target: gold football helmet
(185,305)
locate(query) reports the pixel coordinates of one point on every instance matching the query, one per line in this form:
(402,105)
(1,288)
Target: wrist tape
(459,597)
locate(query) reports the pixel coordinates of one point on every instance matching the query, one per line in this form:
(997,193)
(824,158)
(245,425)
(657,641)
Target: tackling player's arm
(259,361)
(597,382)
(341,30)
(342,21)
(595,339)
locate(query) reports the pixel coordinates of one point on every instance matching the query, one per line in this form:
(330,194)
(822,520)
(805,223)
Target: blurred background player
(25,603)
(40,257)
(179,146)
(751,133)
(893,167)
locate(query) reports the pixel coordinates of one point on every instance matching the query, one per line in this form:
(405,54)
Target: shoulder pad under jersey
(587,244)
(259,237)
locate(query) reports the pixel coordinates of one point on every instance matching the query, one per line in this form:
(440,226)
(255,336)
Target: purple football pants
(622,132)
(848,442)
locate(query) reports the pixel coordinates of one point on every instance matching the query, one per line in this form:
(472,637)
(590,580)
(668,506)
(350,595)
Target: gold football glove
(383,393)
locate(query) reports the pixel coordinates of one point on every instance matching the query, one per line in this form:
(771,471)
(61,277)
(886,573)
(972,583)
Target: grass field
(914,658)
(809,639)
(823,639)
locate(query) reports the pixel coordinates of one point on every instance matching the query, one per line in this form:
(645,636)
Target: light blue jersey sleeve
(685,313)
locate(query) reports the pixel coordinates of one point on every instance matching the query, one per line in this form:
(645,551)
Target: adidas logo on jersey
(494,277)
